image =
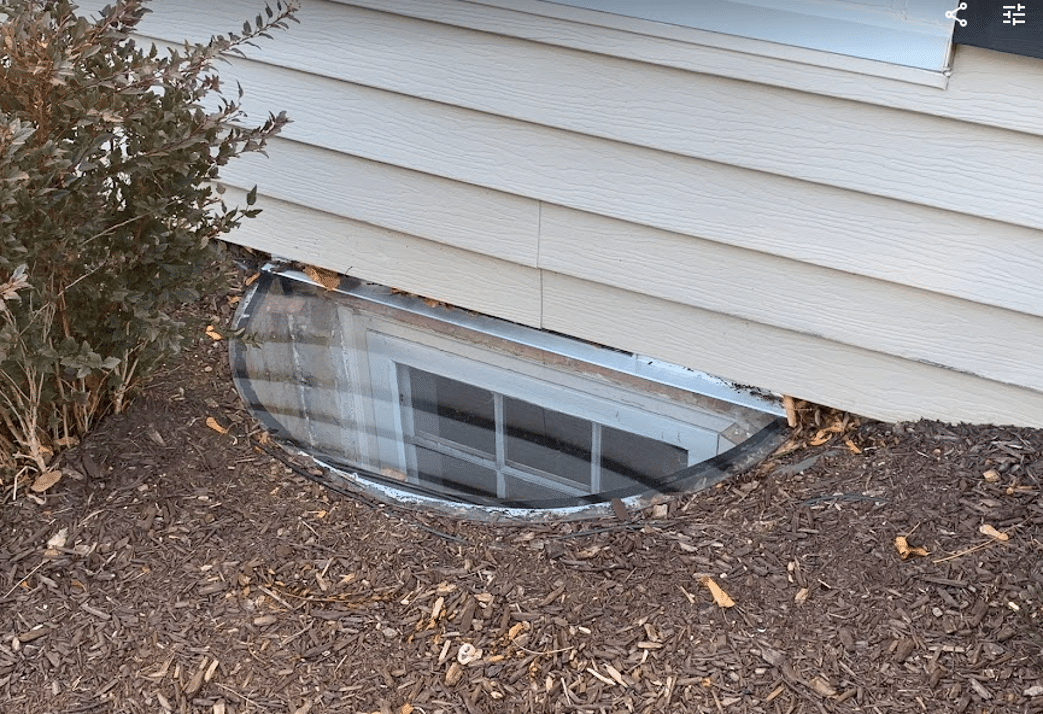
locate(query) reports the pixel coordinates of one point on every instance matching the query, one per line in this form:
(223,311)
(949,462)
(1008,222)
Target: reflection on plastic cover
(468,409)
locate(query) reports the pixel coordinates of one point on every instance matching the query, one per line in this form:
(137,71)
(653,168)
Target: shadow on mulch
(189,571)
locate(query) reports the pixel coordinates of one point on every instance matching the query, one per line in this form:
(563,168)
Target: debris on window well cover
(417,401)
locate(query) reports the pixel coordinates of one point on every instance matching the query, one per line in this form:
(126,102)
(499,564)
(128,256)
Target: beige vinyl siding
(796,219)
(858,249)
(366,39)
(923,326)
(865,148)
(497,224)
(793,362)
(458,277)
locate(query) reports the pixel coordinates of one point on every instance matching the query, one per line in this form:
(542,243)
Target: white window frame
(620,409)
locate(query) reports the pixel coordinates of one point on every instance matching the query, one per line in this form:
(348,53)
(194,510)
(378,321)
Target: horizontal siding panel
(448,212)
(869,383)
(495,287)
(986,87)
(735,227)
(898,154)
(973,258)
(927,327)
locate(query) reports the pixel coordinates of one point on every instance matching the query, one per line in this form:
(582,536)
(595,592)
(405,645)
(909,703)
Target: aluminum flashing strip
(916,36)
(910,40)
(670,45)
(639,365)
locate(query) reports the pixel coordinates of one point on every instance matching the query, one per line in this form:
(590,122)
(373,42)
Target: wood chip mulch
(175,568)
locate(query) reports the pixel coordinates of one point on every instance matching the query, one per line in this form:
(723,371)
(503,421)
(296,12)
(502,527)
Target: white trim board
(917,35)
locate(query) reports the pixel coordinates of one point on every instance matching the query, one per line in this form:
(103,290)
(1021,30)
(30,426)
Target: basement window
(425,403)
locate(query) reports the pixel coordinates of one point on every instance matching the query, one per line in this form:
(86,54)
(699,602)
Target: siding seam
(644,222)
(539,265)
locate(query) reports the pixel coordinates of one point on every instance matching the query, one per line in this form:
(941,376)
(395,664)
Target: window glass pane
(448,473)
(628,459)
(529,492)
(547,440)
(446,409)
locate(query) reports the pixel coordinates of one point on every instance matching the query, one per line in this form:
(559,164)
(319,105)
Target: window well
(445,407)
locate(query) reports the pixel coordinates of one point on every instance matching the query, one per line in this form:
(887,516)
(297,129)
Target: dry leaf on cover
(906,551)
(388,472)
(213,334)
(992,475)
(326,278)
(824,435)
(719,596)
(986,529)
(820,438)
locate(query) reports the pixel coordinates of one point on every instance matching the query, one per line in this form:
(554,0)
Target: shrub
(109,151)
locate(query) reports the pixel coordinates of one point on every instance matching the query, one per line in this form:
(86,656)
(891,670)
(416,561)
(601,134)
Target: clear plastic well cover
(426,399)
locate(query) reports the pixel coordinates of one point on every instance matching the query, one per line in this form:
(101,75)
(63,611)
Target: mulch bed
(177,568)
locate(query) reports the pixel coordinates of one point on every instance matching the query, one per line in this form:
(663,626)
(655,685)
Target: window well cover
(429,402)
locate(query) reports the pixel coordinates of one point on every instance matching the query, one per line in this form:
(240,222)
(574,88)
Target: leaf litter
(199,576)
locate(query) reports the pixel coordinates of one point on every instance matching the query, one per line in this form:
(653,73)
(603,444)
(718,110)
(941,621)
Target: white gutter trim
(658,42)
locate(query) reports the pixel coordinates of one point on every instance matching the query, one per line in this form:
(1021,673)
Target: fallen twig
(974,549)
(26,577)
